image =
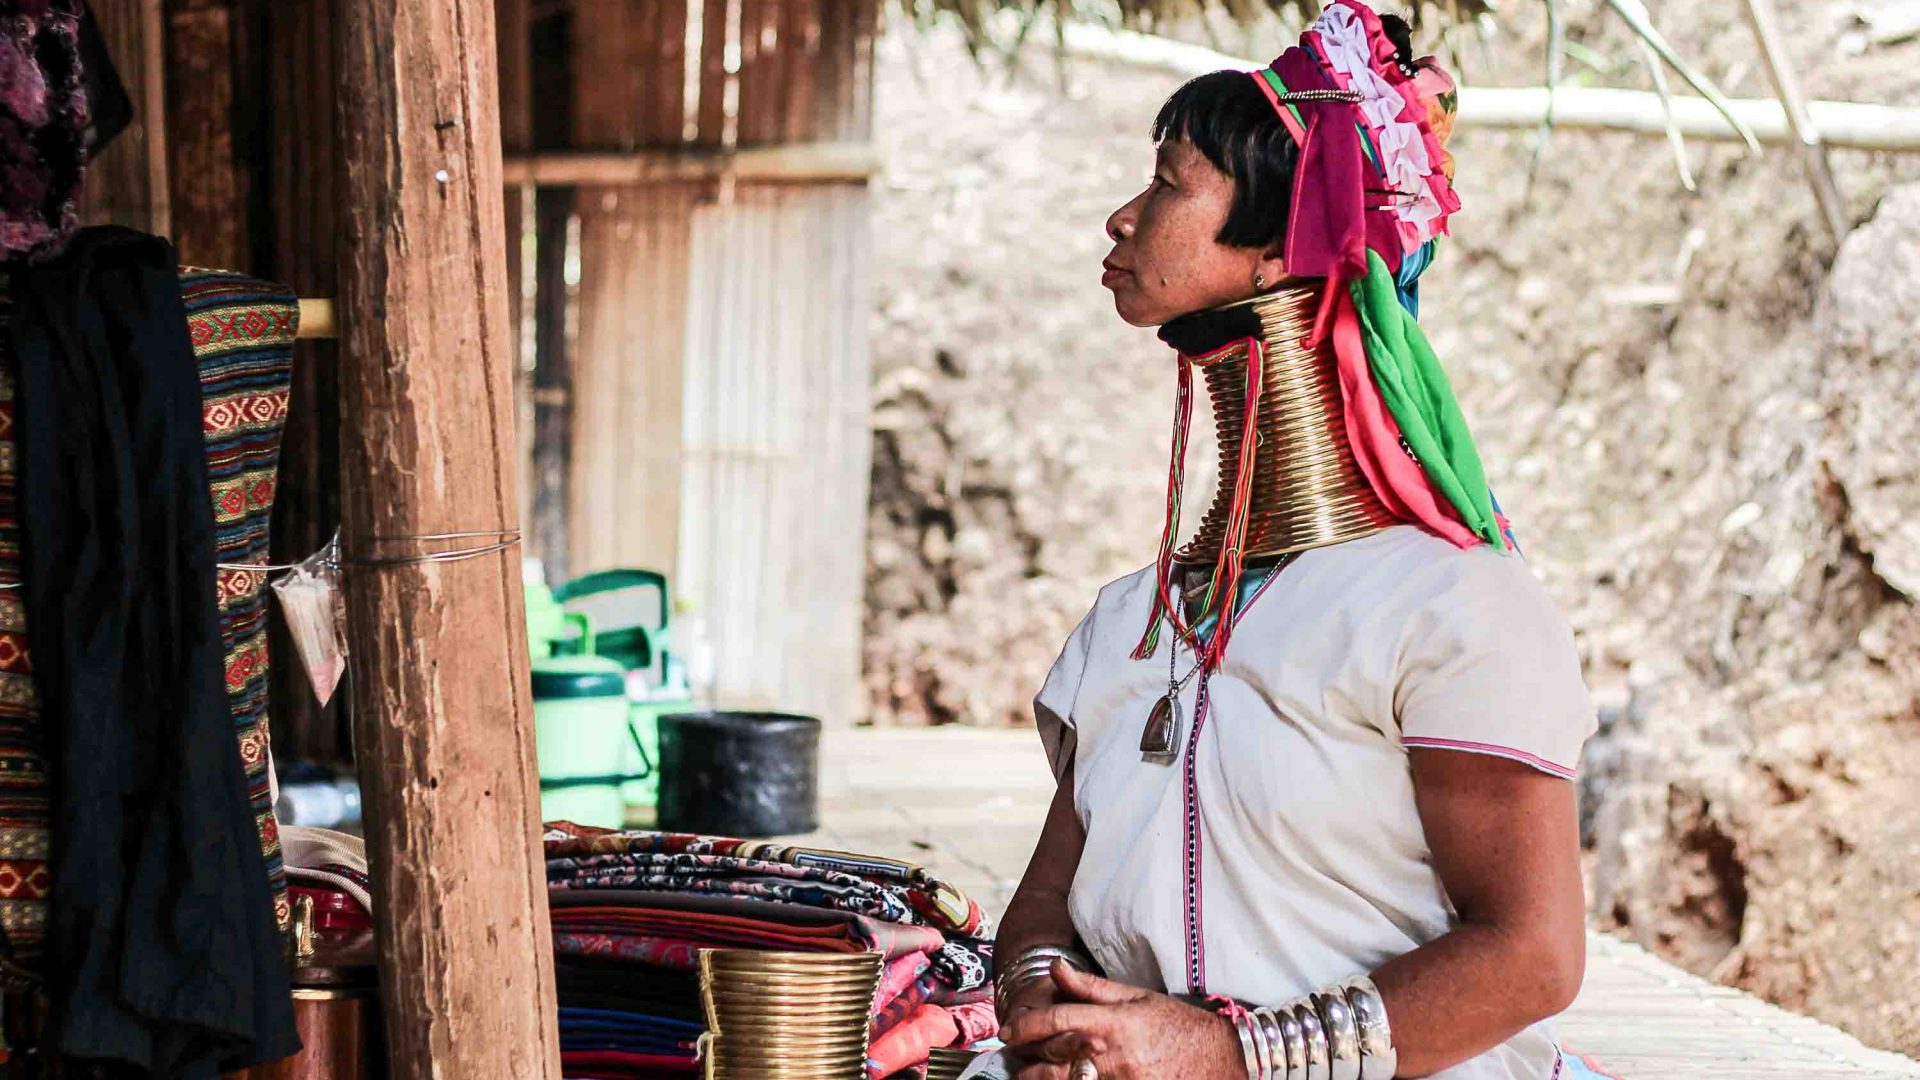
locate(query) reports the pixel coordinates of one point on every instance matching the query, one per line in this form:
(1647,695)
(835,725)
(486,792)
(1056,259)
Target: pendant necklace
(1161,737)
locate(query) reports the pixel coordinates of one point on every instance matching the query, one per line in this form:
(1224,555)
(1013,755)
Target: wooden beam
(793,163)
(1841,123)
(442,708)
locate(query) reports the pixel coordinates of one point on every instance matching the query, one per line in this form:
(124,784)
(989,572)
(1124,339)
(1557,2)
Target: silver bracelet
(1262,1050)
(1378,1059)
(1249,1039)
(1276,1046)
(1032,965)
(1295,1039)
(1343,1039)
(1319,1058)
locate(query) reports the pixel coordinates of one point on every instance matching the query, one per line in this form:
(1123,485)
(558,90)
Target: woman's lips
(1113,276)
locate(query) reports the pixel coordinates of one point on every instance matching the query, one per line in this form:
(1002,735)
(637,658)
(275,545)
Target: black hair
(1401,35)
(1233,125)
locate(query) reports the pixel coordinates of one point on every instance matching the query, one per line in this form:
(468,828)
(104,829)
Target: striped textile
(242,332)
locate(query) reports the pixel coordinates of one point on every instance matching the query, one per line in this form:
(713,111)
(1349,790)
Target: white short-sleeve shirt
(1316,867)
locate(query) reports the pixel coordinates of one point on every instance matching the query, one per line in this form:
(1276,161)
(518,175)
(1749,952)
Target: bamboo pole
(442,709)
(1842,124)
(1813,152)
(319,319)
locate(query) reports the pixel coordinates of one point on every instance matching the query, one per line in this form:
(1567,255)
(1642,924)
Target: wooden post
(442,707)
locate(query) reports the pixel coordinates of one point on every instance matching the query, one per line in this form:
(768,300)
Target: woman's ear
(1272,267)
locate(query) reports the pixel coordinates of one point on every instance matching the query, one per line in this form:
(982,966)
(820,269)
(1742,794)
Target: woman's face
(1166,261)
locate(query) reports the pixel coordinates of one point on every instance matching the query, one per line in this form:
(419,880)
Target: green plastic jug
(552,630)
(585,735)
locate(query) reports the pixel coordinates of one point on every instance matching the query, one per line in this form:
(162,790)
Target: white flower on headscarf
(1402,146)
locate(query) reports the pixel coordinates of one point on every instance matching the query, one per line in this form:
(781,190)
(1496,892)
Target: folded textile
(910,1042)
(963,970)
(577,1018)
(624,988)
(895,1012)
(614,1065)
(333,859)
(977,1022)
(935,902)
(783,925)
(900,973)
(756,878)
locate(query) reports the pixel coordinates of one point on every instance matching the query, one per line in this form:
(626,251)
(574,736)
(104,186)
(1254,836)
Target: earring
(1259,280)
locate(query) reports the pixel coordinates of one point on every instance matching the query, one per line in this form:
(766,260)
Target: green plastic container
(642,795)
(588,742)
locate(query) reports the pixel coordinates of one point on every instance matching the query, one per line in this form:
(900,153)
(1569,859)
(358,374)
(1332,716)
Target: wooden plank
(208,200)
(798,163)
(549,469)
(513,43)
(760,72)
(442,705)
(127,182)
(298,243)
(715,32)
(800,53)
(626,390)
(667,60)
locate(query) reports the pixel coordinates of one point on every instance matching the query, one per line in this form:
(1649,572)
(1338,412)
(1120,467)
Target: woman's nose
(1119,226)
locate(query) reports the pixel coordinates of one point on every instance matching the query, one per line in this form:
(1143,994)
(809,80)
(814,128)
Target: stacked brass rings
(1307,487)
(948,1064)
(786,1015)
(1339,1033)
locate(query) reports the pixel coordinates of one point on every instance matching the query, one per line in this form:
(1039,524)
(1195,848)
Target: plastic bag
(316,611)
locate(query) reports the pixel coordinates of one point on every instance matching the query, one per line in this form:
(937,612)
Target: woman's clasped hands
(1077,1026)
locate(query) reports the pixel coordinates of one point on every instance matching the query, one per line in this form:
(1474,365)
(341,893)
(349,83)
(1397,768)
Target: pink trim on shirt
(1562,771)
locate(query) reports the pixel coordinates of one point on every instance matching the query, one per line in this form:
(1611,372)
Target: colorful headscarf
(1373,192)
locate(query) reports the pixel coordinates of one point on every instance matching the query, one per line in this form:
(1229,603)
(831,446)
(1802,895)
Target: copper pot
(336,1006)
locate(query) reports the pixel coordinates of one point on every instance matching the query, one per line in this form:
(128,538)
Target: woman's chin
(1133,312)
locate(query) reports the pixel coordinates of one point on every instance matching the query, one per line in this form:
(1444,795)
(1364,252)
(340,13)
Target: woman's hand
(1126,1032)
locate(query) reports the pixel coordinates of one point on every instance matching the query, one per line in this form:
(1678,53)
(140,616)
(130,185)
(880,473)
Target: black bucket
(739,773)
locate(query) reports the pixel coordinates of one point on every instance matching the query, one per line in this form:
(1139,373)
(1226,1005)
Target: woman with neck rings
(1345,847)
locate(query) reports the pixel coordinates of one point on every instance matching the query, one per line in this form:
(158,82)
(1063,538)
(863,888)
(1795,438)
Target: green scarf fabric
(1421,400)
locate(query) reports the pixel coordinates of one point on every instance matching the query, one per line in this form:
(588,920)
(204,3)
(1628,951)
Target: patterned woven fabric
(242,332)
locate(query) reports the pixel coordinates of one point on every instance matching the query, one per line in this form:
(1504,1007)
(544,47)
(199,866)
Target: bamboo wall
(719,376)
